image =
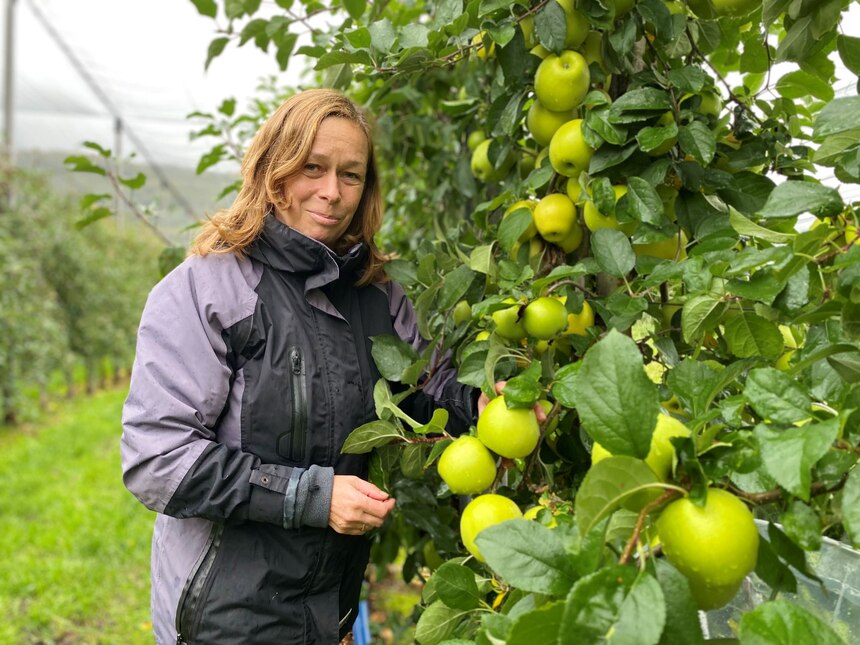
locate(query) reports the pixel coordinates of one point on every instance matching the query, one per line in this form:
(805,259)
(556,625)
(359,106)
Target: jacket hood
(286,249)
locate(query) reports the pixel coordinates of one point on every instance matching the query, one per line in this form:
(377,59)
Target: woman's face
(324,195)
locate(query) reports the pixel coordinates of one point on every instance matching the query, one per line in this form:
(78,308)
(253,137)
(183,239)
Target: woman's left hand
(357,505)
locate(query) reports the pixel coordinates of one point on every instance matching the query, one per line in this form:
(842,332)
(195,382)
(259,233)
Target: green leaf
(133,182)
(455,586)
(79,163)
(639,104)
(551,26)
(92,145)
(790,454)
(94,215)
(682,616)
(783,621)
(382,35)
(437,623)
(792,198)
(333,58)
(612,251)
(527,555)
(540,625)
(607,484)
(216,47)
(206,8)
(437,423)
(851,506)
(749,228)
(619,601)
(355,8)
(525,388)
(616,401)
(798,41)
(698,141)
(392,356)
(748,334)
(701,314)
(803,525)
(776,396)
(644,201)
(369,436)
(413,35)
(849,52)
(91,198)
(512,226)
(799,84)
(564,387)
(454,286)
(840,115)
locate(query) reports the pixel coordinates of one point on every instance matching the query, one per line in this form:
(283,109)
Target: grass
(75,543)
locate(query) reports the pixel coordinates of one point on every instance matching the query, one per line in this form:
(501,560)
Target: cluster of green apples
(554,121)
(468,466)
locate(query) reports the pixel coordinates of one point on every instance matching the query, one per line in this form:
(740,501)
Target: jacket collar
(286,249)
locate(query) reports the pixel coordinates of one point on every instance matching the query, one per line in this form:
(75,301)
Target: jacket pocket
(291,444)
(189,608)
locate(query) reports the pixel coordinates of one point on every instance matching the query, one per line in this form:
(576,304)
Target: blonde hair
(280,149)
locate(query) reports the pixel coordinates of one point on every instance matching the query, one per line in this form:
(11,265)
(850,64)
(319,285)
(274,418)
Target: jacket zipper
(299,418)
(189,607)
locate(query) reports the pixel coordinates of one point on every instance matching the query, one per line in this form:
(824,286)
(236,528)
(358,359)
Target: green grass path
(74,544)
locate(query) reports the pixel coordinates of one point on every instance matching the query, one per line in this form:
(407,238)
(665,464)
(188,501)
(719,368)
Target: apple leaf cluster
(660,132)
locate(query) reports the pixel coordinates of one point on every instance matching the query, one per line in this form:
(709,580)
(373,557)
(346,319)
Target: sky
(147,58)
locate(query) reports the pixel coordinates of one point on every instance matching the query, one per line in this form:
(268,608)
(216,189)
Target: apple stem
(640,522)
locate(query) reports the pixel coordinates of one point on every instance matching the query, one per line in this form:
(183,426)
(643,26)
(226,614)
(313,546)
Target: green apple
(569,153)
(507,321)
(482,167)
(544,318)
(572,240)
(734,8)
(509,432)
(467,466)
(578,324)
(554,217)
(481,51)
(462,312)
(576,24)
(595,220)
(543,123)
(623,6)
(562,81)
(661,452)
(527,26)
(593,48)
(482,512)
(672,248)
(574,190)
(702,9)
(540,51)
(475,137)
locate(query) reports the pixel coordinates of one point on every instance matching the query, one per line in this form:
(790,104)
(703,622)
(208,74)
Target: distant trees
(69,299)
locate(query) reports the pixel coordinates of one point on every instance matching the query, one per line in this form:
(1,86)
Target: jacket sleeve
(181,383)
(441,388)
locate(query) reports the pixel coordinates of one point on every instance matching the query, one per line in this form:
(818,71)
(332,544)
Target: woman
(253,365)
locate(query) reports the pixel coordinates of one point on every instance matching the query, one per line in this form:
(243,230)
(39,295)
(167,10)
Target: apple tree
(617,208)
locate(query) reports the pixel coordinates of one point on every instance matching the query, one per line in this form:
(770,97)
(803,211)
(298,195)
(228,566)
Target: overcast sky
(146,56)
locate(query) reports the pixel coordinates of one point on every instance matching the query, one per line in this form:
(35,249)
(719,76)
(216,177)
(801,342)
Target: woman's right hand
(357,505)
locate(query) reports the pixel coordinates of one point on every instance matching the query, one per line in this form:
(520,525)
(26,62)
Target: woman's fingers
(357,505)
